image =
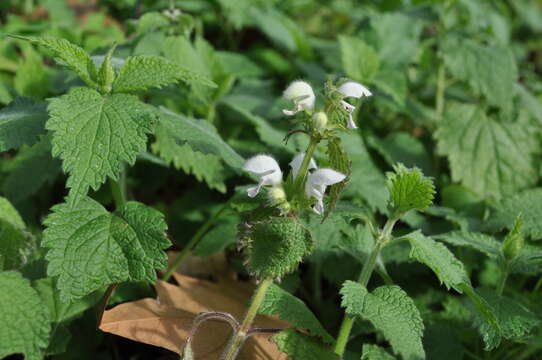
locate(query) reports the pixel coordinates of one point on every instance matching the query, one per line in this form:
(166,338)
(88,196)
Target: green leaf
(481,242)
(409,189)
(25,319)
(201,135)
(90,248)
(68,54)
(290,308)
(15,241)
(442,261)
(528,261)
(151,21)
(359,60)
(32,168)
(145,71)
(31,78)
(393,83)
(206,167)
(217,239)
(375,352)
(106,73)
(527,203)
(490,157)
(95,134)
(469,61)
(21,122)
(514,242)
(301,347)
(338,159)
(392,312)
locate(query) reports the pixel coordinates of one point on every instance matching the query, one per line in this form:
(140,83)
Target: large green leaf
(302,347)
(95,134)
(21,122)
(360,61)
(15,241)
(90,248)
(492,158)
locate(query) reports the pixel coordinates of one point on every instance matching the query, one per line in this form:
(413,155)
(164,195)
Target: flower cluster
(269,173)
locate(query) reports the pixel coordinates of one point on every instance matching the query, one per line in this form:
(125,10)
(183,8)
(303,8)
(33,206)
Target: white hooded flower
(266,168)
(296,162)
(355,90)
(316,185)
(301,94)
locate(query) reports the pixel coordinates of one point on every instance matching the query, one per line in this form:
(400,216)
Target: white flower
(301,94)
(266,168)
(317,183)
(296,162)
(356,90)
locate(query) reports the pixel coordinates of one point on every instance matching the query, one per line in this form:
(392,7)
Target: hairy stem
(502,281)
(193,242)
(303,170)
(366,272)
(118,188)
(240,335)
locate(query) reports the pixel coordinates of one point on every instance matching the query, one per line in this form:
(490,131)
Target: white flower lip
(296,162)
(317,183)
(266,168)
(301,93)
(354,89)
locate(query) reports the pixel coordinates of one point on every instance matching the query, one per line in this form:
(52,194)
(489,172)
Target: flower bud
(277,195)
(320,120)
(514,242)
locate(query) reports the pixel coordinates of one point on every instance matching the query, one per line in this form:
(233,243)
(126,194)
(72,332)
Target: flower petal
(350,124)
(325,177)
(354,89)
(296,162)
(298,89)
(261,164)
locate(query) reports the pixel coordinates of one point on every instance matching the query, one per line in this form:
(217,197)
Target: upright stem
(118,188)
(187,249)
(366,272)
(439,97)
(502,281)
(240,335)
(302,174)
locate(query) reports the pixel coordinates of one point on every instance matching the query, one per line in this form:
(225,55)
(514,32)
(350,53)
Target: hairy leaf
(481,242)
(290,308)
(301,347)
(359,60)
(338,159)
(25,319)
(90,247)
(201,135)
(144,71)
(15,241)
(21,122)
(409,189)
(490,157)
(392,312)
(375,352)
(95,134)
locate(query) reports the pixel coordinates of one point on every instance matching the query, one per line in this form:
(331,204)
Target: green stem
(304,168)
(502,282)
(118,188)
(240,335)
(538,285)
(366,272)
(439,97)
(193,242)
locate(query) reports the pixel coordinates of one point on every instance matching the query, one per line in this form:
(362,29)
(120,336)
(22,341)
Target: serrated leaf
(21,122)
(359,60)
(207,167)
(144,71)
(469,61)
(151,21)
(31,78)
(481,242)
(490,157)
(201,135)
(90,248)
(375,352)
(302,347)
(69,54)
(527,203)
(95,134)
(409,189)
(106,73)
(32,168)
(442,261)
(392,312)
(338,159)
(15,241)
(528,262)
(290,308)
(25,319)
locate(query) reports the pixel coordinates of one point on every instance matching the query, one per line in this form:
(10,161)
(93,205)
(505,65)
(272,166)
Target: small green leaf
(90,248)
(95,134)
(106,74)
(514,242)
(442,261)
(68,54)
(201,135)
(392,312)
(144,71)
(290,308)
(302,347)
(21,122)
(15,242)
(375,352)
(409,189)
(25,319)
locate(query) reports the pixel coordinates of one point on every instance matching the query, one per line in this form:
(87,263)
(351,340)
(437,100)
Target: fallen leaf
(167,320)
